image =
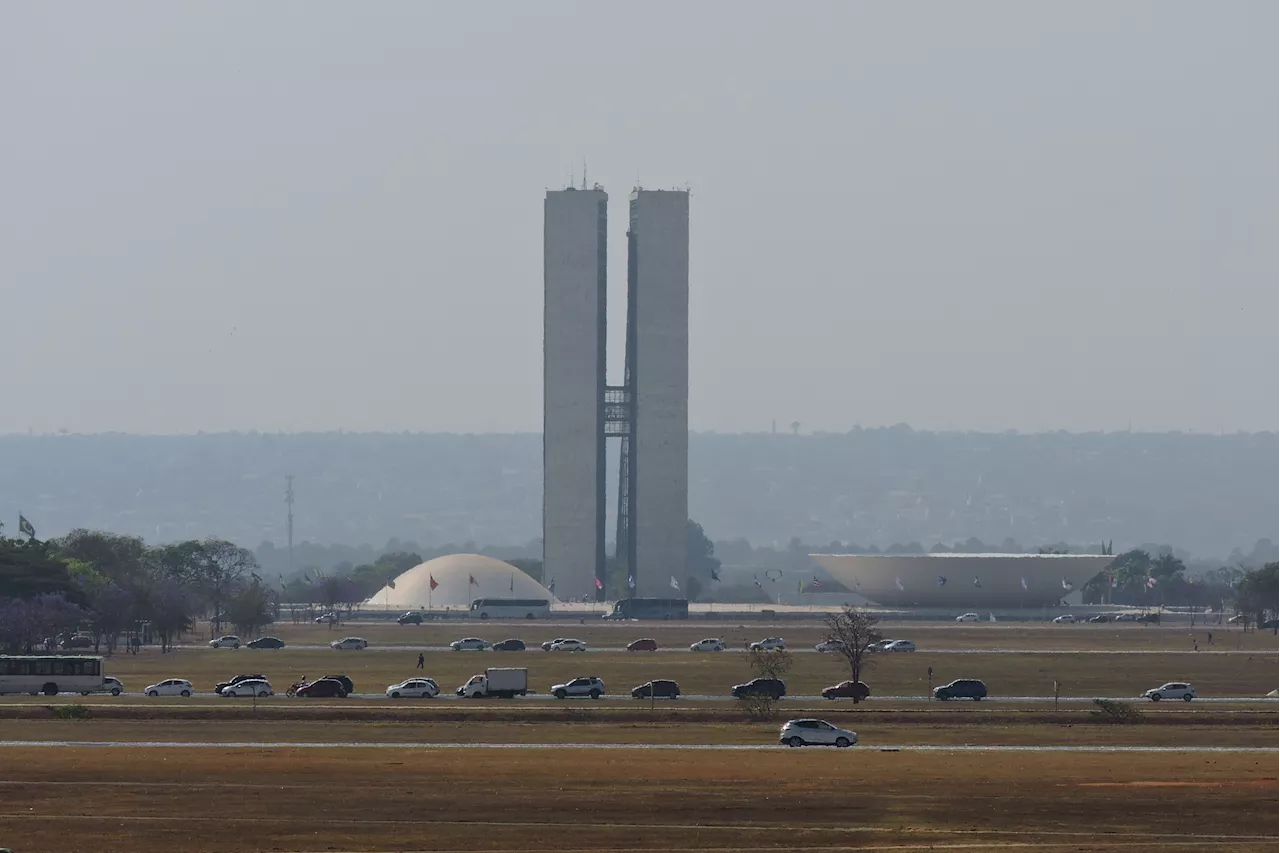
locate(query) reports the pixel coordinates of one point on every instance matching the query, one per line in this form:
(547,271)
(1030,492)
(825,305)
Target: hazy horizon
(306,217)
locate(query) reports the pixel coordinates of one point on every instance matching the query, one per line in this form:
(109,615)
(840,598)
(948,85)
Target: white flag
(993,617)
(1066,584)
(631,581)
(674,584)
(898,583)
(1024,583)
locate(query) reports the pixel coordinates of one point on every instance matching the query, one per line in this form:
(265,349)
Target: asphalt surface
(537,649)
(448,696)
(608,746)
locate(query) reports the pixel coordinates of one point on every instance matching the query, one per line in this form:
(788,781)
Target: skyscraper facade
(648,411)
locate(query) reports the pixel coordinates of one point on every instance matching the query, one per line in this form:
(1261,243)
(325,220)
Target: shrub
(70,712)
(760,708)
(1111,711)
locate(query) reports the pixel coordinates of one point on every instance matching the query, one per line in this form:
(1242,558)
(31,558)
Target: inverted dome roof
(453,575)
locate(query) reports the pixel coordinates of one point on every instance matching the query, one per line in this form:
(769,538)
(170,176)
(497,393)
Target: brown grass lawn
(239,800)
(713,674)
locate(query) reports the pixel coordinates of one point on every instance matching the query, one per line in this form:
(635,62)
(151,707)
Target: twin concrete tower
(648,412)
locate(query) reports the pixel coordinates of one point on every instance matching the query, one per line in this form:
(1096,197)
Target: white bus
(510,608)
(50,674)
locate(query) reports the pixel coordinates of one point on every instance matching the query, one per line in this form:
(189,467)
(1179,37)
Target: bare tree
(773,663)
(852,630)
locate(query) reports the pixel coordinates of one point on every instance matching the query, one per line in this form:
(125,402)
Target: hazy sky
(319,215)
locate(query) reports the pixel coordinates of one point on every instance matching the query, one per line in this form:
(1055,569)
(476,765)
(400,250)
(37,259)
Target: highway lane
(804,650)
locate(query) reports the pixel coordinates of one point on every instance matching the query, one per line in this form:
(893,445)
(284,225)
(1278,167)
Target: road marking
(111,744)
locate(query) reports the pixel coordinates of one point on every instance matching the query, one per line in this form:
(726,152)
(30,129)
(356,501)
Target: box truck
(498,681)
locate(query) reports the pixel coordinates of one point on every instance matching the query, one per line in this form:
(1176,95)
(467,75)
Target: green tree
(1257,592)
(219,569)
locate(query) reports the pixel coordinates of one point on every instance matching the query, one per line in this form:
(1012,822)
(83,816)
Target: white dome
(453,575)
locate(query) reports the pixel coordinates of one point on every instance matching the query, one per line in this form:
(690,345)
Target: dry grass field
(58,800)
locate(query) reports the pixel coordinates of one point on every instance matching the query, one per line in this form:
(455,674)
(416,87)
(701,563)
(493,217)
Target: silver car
(811,732)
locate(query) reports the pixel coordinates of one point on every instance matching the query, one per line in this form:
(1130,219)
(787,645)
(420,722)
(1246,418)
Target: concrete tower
(649,411)
(573,351)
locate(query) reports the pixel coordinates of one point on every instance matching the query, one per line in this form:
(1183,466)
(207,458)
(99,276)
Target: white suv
(249,687)
(589,686)
(710,644)
(230,641)
(967,617)
(350,643)
(1172,690)
(568,646)
(815,733)
(769,644)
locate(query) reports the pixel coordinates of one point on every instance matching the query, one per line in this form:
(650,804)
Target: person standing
(421,660)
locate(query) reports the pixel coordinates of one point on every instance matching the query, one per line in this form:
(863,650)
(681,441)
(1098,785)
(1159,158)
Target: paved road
(695,697)
(608,746)
(804,650)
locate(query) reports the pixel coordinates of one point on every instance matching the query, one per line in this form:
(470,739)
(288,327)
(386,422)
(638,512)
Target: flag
(551,587)
(513,581)
(391,583)
(1066,584)
(991,617)
(599,585)
(1151,582)
(631,581)
(898,583)
(941,581)
(434,582)
(1024,583)
(817,584)
(674,584)
(715,576)
(977,582)
(25,527)
(755,580)
(800,585)
(471,580)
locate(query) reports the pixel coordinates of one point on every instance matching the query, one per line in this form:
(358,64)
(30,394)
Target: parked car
(323,688)
(1099,619)
(568,646)
(1131,617)
(325,617)
(1172,690)
(414,688)
(898,646)
(647,644)
(218,688)
(815,733)
(968,617)
(410,618)
(829,646)
(347,684)
(879,645)
(961,688)
(266,643)
(512,645)
(109,685)
(855,690)
(79,641)
(1064,619)
(249,687)
(546,647)
(228,641)
(469,644)
(586,686)
(660,688)
(170,687)
(710,644)
(1269,625)
(350,644)
(772,687)
(1238,618)
(769,644)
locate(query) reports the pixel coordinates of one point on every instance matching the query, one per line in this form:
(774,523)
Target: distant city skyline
(942,216)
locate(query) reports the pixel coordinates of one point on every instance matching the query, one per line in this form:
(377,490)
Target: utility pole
(288,500)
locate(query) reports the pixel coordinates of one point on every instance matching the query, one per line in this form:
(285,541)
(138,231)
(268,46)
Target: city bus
(50,674)
(510,608)
(649,608)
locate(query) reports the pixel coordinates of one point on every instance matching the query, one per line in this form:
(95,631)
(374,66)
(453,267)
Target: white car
(1172,690)
(710,644)
(879,645)
(469,644)
(769,644)
(568,646)
(349,643)
(1064,619)
(815,733)
(109,685)
(898,646)
(170,687)
(415,688)
(1126,617)
(967,617)
(829,646)
(586,686)
(249,687)
(230,641)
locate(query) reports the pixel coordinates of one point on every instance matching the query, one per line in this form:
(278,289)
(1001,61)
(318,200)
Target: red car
(323,689)
(648,644)
(855,690)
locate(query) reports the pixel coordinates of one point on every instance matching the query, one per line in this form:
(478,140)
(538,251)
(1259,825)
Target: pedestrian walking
(1195,644)
(421,660)
(1211,638)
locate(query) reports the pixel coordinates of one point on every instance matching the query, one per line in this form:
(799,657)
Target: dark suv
(774,688)
(961,688)
(410,618)
(658,689)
